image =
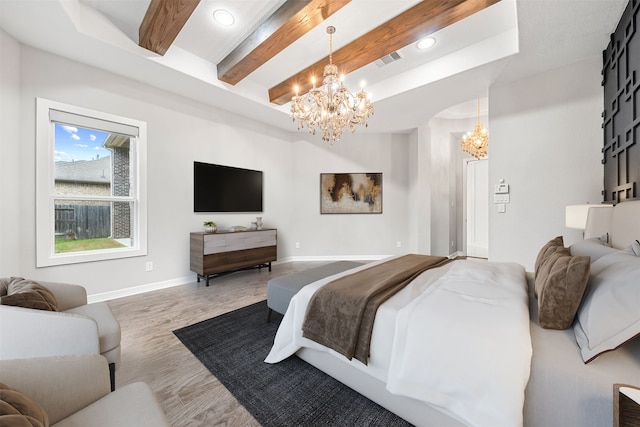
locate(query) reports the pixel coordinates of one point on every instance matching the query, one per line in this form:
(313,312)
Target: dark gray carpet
(290,393)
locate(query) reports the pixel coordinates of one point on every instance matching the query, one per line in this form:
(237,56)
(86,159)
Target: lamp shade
(598,222)
(576,215)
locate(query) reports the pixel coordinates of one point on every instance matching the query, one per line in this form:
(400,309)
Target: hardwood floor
(189,394)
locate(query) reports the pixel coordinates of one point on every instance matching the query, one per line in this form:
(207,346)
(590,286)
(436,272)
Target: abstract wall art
(351,193)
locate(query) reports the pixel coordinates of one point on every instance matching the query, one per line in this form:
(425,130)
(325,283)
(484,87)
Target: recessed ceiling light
(426,43)
(223,17)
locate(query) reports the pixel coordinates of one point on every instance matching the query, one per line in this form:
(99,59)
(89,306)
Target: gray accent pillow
(560,285)
(551,247)
(17,409)
(609,315)
(27,294)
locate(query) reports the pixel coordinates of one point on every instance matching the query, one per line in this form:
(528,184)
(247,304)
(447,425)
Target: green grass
(86,245)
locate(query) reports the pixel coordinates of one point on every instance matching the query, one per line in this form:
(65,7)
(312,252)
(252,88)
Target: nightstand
(626,406)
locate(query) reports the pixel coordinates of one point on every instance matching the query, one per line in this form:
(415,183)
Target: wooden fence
(82,221)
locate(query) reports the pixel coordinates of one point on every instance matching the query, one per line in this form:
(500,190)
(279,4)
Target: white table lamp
(591,219)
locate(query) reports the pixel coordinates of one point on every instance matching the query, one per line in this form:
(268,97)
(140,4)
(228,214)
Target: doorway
(477,207)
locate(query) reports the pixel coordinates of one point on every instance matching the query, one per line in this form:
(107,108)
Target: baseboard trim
(339,258)
(135,290)
(156,286)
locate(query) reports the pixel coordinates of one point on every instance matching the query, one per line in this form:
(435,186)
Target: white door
(478,208)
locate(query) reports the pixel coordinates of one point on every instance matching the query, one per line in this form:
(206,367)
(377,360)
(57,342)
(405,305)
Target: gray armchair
(76,328)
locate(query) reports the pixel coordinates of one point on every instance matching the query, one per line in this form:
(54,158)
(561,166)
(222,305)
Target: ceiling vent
(388,59)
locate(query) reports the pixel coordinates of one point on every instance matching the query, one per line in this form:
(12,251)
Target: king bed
(480,344)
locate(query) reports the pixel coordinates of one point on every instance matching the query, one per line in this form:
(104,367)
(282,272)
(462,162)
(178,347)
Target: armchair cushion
(28,294)
(18,410)
(134,404)
(36,333)
(108,327)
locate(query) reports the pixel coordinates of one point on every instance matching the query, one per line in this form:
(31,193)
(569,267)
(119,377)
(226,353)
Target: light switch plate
(501,188)
(501,198)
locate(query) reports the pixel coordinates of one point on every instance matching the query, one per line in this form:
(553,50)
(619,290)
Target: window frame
(45,188)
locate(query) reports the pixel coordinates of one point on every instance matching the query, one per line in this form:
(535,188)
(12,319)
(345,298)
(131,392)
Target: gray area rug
(233,347)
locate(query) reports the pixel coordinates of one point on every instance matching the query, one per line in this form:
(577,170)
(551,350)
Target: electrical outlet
(297,245)
(399,243)
(149,266)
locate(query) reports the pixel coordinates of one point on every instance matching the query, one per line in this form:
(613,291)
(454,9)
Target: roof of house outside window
(88,171)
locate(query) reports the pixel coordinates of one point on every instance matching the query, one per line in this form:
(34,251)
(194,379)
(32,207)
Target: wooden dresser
(626,406)
(222,252)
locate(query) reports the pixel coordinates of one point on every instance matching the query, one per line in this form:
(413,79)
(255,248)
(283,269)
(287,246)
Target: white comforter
(456,338)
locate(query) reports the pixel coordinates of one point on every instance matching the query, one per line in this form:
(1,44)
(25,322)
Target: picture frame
(351,193)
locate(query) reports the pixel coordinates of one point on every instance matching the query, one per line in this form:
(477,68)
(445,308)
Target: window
(90,185)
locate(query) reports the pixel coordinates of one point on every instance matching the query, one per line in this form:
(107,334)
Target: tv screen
(218,188)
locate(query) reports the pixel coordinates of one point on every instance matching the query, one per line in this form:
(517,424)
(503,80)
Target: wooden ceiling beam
(162,22)
(291,21)
(410,26)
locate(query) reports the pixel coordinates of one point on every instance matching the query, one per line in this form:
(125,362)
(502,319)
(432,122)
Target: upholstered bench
(281,289)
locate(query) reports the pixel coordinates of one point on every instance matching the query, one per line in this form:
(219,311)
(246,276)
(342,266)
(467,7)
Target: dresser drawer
(226,242)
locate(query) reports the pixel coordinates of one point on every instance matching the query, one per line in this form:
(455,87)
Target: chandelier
(331,107)
(476,142)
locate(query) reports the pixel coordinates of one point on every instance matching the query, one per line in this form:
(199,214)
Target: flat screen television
(218,188)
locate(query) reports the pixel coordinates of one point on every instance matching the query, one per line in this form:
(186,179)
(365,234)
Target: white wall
(414,217)
(10,141)
(423,188)
(179,132)
(348,235)
(545,142)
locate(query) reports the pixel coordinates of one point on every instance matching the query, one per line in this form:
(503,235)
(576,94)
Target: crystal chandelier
(331,107)
(476,142)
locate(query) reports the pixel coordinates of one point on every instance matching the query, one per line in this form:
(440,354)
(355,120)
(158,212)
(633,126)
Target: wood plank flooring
(189,394)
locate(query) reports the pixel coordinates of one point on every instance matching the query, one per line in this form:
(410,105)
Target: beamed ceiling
(252,67)
(165,18)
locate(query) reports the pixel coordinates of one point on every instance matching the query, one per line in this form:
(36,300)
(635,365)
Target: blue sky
(75,143)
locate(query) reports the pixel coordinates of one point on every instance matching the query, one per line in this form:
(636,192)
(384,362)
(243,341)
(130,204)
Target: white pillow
(593,248)
(609,316)
(635,247)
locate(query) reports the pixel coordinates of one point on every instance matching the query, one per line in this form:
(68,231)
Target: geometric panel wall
(621,116)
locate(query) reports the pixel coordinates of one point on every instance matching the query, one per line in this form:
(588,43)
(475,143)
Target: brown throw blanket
(340,314)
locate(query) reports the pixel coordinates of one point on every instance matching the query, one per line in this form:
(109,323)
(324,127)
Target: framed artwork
(351,193)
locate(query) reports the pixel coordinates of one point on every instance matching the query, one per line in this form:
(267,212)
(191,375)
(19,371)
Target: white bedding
(474,366)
